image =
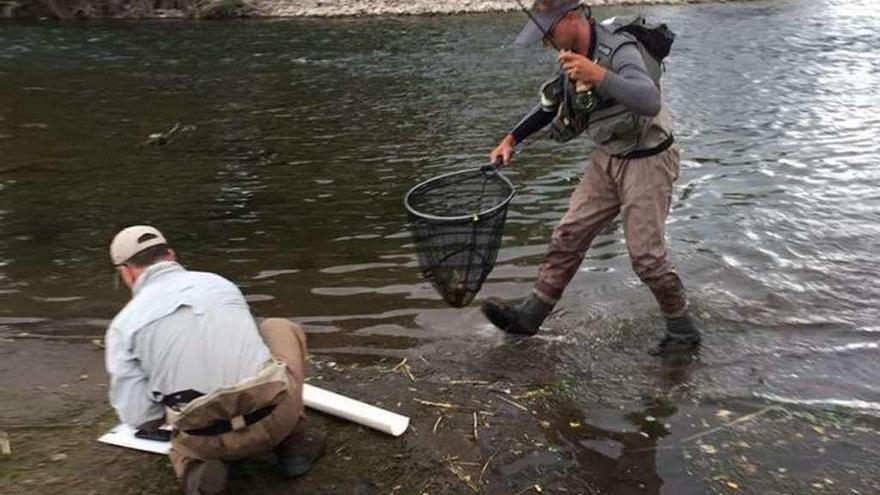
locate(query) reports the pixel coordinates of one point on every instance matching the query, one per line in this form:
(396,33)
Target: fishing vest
(610,125)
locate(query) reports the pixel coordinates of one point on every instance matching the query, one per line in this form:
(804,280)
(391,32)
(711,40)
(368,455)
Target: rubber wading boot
(681,336)
(300,450)
(524,318)
(206,478)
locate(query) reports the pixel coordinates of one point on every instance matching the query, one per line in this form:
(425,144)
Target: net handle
(492,167)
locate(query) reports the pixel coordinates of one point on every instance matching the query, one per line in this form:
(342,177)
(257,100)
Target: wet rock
(223,9)
(8,9)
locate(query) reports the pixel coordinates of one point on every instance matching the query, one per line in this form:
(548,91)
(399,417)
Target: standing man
(185,350)
(631,172)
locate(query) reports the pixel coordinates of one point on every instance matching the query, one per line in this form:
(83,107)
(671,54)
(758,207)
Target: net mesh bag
(457,221)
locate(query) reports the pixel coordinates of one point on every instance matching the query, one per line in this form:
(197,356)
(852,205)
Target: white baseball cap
(132,240)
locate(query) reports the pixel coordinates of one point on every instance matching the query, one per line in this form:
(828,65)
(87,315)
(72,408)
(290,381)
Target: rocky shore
(145,9)
(321,8)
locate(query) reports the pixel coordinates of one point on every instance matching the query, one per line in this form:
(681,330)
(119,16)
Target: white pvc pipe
(355,411)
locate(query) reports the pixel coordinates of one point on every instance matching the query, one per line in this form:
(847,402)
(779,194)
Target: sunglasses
(548,34)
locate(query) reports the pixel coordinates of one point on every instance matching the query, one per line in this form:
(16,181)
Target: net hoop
(460,218)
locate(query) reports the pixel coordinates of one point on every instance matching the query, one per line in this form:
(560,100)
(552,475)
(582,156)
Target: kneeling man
(186,351)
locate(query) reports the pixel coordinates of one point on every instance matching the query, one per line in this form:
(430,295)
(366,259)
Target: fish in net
(457,221)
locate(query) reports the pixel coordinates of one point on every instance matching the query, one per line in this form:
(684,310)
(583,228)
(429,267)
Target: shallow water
(308,133)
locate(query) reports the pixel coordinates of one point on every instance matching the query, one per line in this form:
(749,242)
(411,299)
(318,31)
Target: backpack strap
(607,44)
(610,38)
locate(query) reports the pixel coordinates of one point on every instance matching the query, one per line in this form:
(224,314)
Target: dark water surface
(308,133)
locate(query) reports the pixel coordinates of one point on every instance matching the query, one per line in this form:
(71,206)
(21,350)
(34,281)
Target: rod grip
(492,167)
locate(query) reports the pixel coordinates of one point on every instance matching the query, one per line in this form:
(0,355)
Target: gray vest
(611,125)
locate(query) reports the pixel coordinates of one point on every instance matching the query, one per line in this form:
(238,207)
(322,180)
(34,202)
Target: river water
(307,133)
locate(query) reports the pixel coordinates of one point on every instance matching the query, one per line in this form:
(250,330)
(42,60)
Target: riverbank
(329,8)
(218,9)
(479,425)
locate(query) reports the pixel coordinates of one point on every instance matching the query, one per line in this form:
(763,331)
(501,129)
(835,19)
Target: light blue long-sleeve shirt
(182,330)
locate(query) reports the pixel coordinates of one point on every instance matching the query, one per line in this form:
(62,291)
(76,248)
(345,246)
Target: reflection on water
(307,134)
